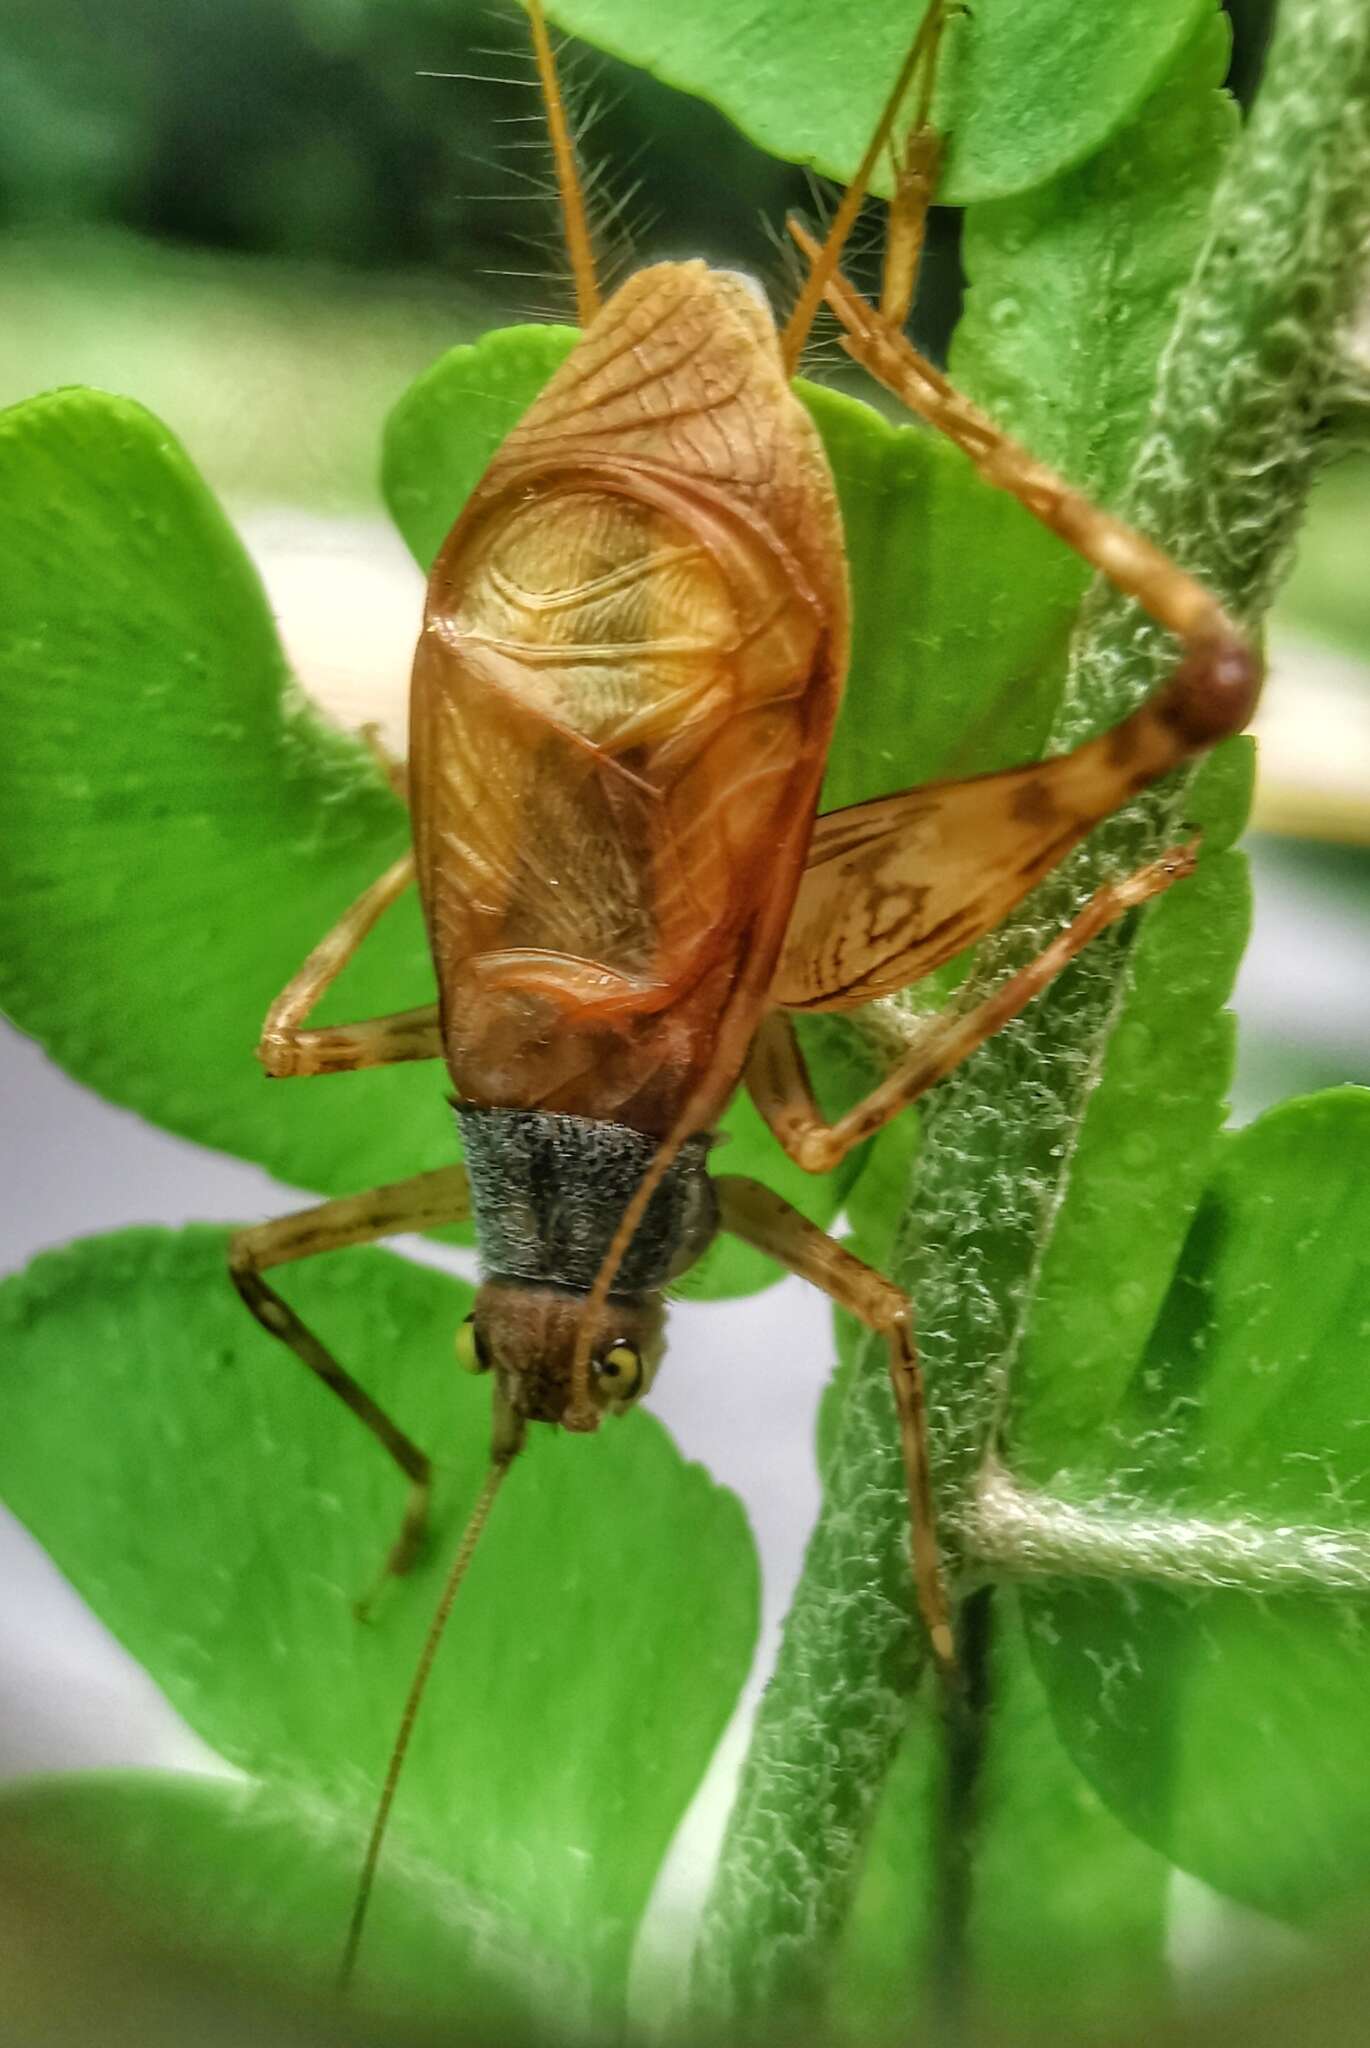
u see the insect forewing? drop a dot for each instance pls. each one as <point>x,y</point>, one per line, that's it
<point>631,661</point>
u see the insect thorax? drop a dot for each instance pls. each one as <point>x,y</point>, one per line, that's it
<point>547,1193</point>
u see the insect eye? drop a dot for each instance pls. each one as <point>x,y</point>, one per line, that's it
<point>473,1353</point>
<point>620,1369</point>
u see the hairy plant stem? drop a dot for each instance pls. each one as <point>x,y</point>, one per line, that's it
<point>949,1962</point>
<point>1021,1532</point>
<point>1230,450</point>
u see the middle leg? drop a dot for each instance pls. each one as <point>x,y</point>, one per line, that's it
<point>751,1212</point>
<point>288,1051</point>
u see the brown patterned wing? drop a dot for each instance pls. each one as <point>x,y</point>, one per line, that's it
<point>895,887</point>
<point>621,704</point>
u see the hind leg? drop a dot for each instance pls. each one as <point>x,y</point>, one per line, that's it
<point>778,1083</point>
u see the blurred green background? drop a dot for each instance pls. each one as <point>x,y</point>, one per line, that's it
<point>264,216</point>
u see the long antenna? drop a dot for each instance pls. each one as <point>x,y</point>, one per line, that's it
<point>466,1549</point>
<point>578,245</point>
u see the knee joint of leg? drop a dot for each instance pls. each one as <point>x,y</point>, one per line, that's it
<point>279,1055</point>
<point>242,1260</point>
<point>1212,694</point>
<point>815,1151</point>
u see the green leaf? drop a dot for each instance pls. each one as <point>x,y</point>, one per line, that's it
<point>1069,302</point>
<point>1027,90</point>
<point>440,436</point>
<point>1069,1911</point>
<point>264,1876</point>
<point>950,622</point>
<point>220,1511</point>
<point>1227,1726</point>
<point>176,830</point>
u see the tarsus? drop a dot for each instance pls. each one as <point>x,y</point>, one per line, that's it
<point>825,263</point>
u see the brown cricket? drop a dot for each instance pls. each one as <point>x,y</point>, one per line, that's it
<point>632,654</point>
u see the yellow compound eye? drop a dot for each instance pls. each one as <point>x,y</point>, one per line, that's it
<point>620,1369</point>
<point>472,1355</point>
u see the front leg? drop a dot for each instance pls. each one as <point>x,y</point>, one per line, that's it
<point>751,1212</point>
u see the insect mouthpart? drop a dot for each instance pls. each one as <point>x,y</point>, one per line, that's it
<point>525,1333</point>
